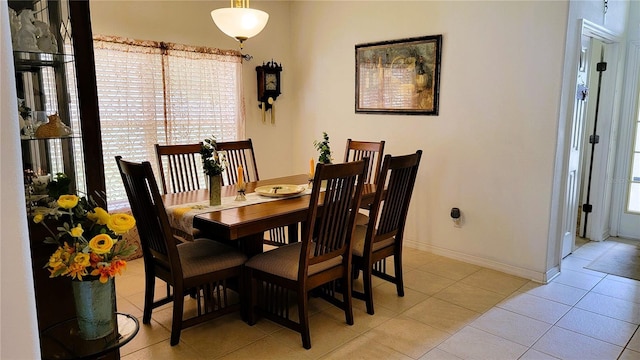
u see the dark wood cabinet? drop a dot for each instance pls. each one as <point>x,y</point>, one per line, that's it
<point>59,79</point>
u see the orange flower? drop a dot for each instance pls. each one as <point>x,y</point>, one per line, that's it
<point>77,271</point>
<point>118,266</point>
<point>105,272</point>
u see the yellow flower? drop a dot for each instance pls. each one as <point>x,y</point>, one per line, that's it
<point>38,218</point>
<point>76,231</point>
<point>67,201</point>
<point>55,260</point>
<point>101,244</point>
<point>99,215</point>
<point>121,223</point>
<point>82,259</point>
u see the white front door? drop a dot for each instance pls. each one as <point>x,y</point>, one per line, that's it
<point>569,221</point>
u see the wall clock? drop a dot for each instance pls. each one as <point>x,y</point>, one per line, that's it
<point>268,87</point>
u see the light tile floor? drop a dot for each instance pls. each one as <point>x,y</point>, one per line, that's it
<point>451,310</point>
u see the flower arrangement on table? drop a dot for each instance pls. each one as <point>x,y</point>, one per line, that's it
<point>213,164</point>
<point>88,238</point>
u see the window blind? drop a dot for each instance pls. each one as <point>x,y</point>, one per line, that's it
<point>151,92</point>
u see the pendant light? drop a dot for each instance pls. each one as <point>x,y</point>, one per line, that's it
<point>239,21</point>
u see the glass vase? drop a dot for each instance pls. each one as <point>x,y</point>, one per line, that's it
<point>215,183</point>
<point>95,308</point>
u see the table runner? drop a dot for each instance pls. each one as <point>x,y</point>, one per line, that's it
<point>181,216</point>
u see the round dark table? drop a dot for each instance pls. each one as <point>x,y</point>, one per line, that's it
<point>63,341</point>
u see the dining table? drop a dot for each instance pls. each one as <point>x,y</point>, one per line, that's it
<point>247,223</point>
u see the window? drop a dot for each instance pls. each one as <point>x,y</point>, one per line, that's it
<point>152,92</point>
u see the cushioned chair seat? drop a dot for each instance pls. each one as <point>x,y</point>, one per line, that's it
<point>362,219</point>
<point>204,256</point>
<point>285,260</point>
<point>358,241</point>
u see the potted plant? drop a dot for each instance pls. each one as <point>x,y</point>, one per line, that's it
<point>90,251</point>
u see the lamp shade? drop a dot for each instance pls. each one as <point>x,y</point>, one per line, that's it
<point>240,23</point>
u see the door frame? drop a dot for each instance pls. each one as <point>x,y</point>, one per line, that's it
<point>598,226</point>
<point>560,189</point>
<point>628,116</point>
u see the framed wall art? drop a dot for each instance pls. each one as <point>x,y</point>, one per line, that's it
<point>399,76</point>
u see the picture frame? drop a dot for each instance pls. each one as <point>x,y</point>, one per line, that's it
<point>398,76</point>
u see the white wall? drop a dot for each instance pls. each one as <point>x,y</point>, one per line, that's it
<point>18,325</point>
<point>490,152</point>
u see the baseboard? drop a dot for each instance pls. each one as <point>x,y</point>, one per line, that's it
<point>536,276</point>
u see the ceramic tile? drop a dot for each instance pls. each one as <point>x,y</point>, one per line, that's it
<point>629,354</point>
<point>532,354</point>
<point>472,343</point>
<point>470,297</point>
<point>220,336</point>
<point>363,348</point>
<point>495,281</point>
<point>557,292</point>
<point>125,306</point>
<point>386,296</point>
<point>535,307</point>
<point>362,321</point>
<point>634,343</point>
<point>578,264</point>
<point>566,344</point>
<point>267,348</point>
<point>449,268</point>
<point>598,326</point>
<point>327,335</point>
<point>163,350</point>
<point>407,336</point>
<point>511,326</point>
<point>610,306</point>
<point>629,291</point>
<point>425,282</point>
<point>592,250</point>
<point>577,279</point>
<point>442,315</point>
<point>437,354</point>
<point>148,334</point>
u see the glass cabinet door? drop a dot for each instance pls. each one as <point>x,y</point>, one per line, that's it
<point>51,134</point>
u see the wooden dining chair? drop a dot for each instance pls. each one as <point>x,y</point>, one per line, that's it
<point>180,167</point>
<point>201,267</point>
<point>374,151</point>
<point>322,255</point>
<point>240,153</point>
<point>382,238</point>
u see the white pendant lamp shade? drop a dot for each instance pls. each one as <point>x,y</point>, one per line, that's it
<point>240,23</point>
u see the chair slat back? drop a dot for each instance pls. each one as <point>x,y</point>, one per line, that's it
<point>158,244</point>
<point>374,151</point>
<point>332,212</point>
<point>389,209</point>
<point>238,153</point>
<point>180,167</point>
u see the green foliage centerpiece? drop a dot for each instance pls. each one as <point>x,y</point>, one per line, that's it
<point>325,150</point>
